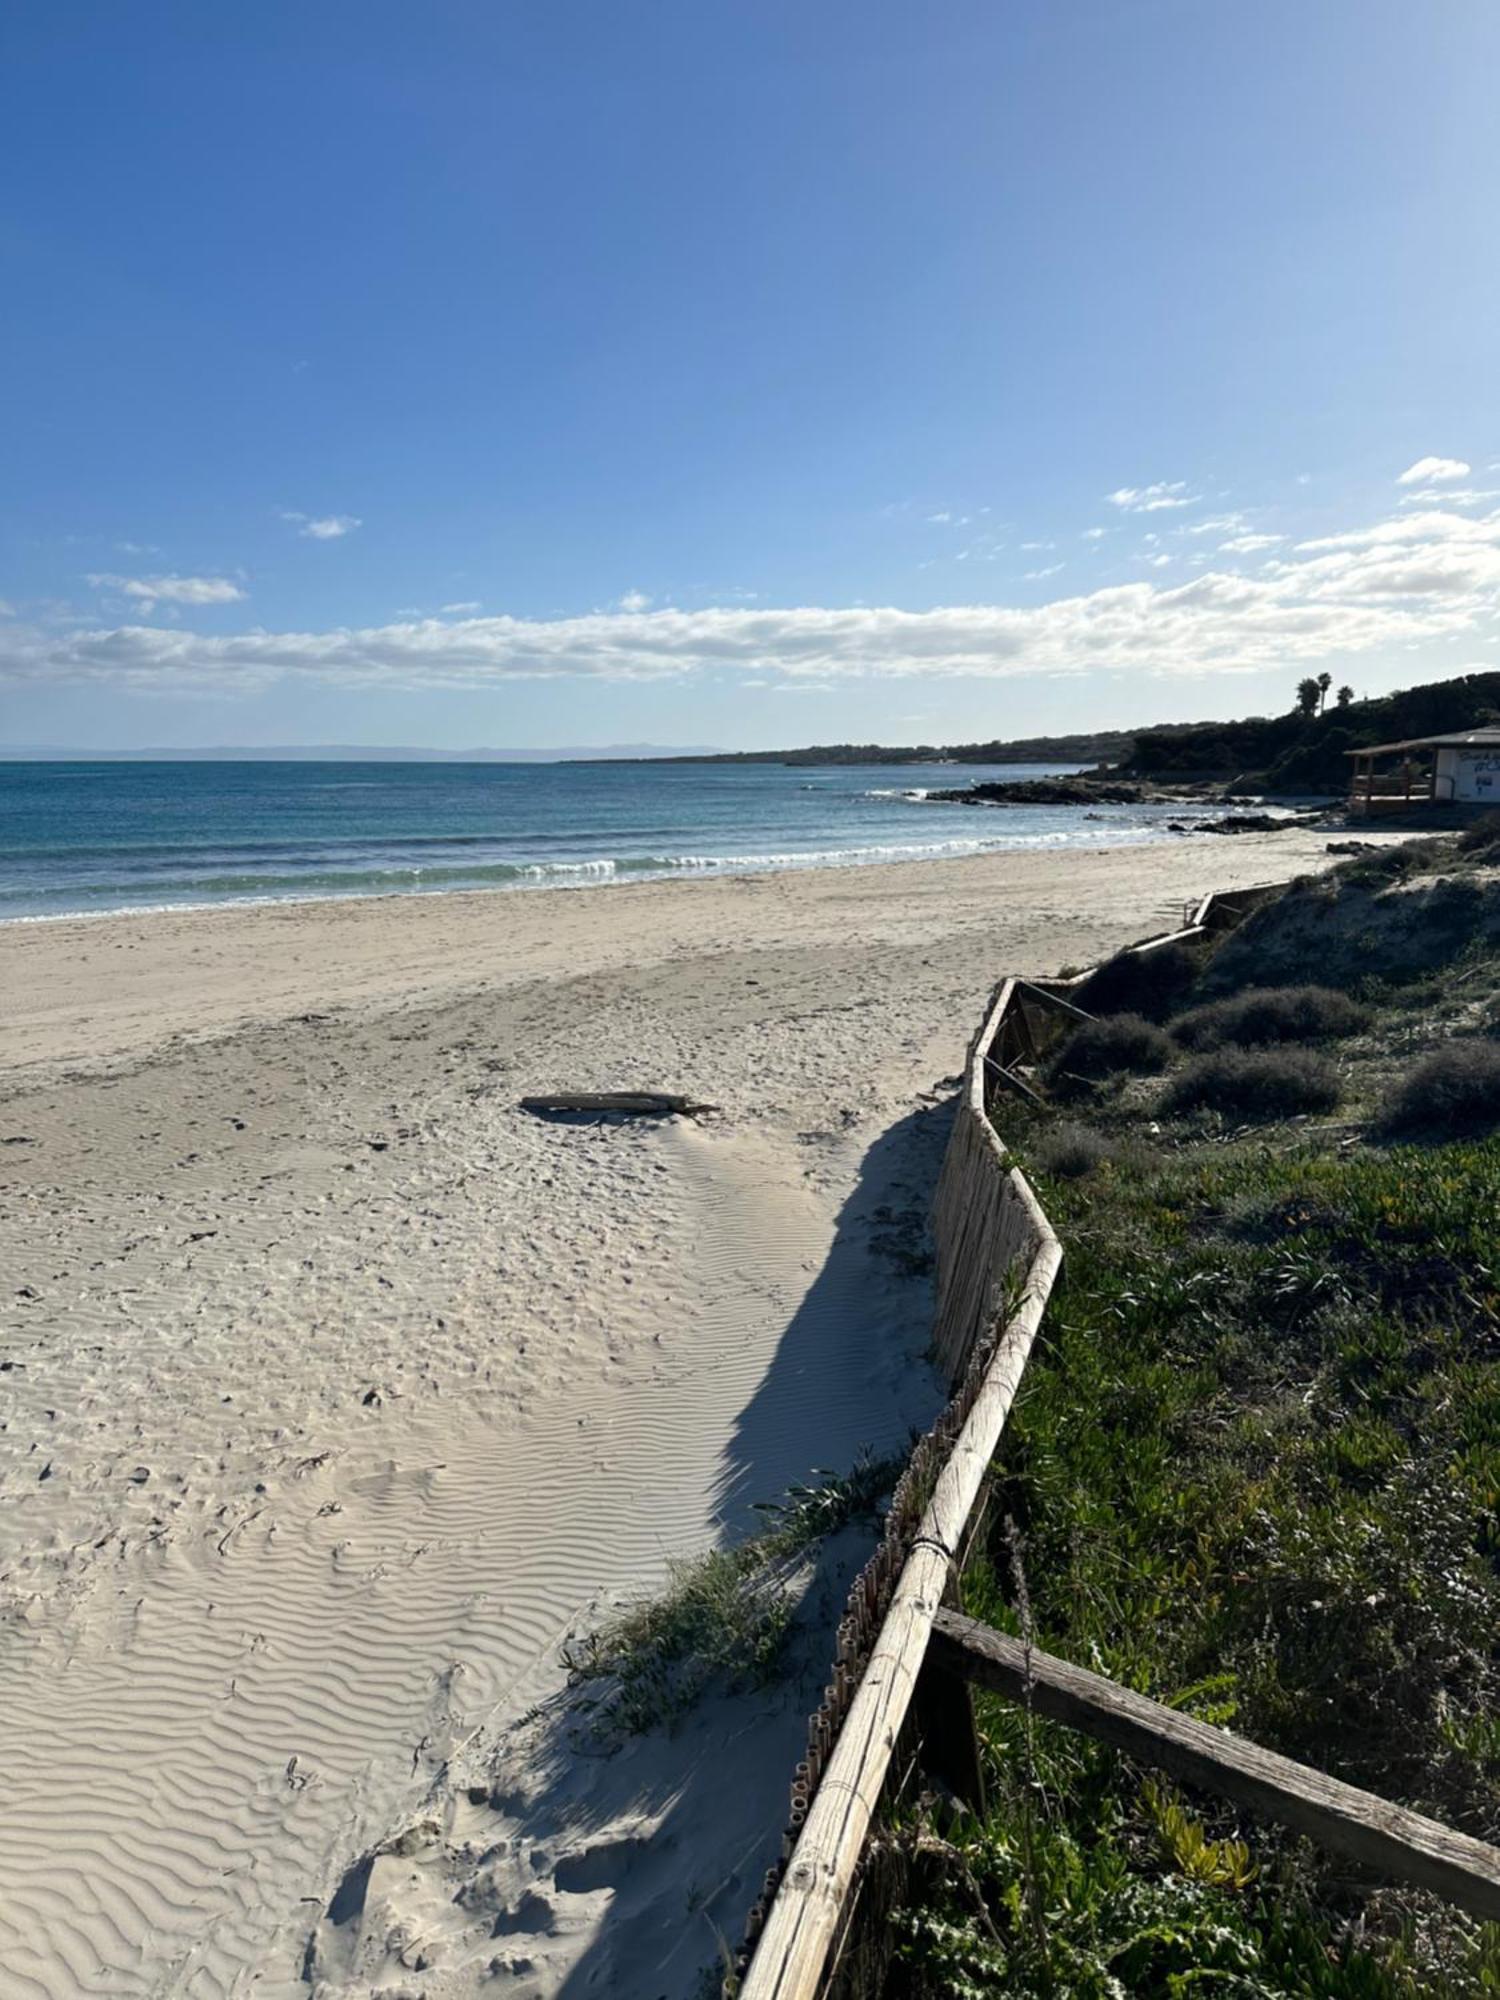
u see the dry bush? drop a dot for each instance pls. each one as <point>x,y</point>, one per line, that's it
<point>1396,861</point>
<point>1071,1152</point>
<point>1270,1014</point>
<point>1255,1083</point>
<point>1453,1094</point>
<point>1115,1046</point>
<point>1150,983</point>
<point>1481,841</point>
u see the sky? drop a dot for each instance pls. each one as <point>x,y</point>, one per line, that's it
<point>520,372</point>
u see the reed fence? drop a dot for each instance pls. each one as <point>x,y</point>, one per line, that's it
<point>818,1927</point>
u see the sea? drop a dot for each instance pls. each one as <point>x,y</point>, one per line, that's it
<point>85,838</point>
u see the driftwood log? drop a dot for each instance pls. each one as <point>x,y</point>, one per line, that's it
<point>625,1103</point>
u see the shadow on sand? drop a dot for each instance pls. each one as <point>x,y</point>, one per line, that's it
<point>654,1848</point>
<point>848,1372</point>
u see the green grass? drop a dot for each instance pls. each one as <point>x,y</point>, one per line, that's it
<point>725,1617</point>
<point>1254,1470</point>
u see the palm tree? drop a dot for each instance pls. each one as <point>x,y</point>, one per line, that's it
<point>1307,696</point>
<point>1345,695</point>
<point>1325,682</point>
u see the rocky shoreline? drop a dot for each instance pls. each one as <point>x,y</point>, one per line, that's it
<point>1058,792</point>
<point>1085,792</point>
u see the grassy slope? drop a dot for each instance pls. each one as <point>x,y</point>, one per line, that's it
<point>1254,1471</point>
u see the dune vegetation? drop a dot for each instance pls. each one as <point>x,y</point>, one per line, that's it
<point>1255,1464</point>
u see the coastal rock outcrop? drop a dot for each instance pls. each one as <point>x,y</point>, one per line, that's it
<point>1058,792</point>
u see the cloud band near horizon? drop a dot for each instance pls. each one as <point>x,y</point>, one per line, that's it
<point>1394,585</point>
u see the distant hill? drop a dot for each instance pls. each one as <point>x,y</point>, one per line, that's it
<point>1309,753</point>
<point>338,753</point>
<point>1291,752</point>
<point>1094,747</point>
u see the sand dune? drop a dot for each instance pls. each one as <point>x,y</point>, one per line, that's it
<point>337,1390</point>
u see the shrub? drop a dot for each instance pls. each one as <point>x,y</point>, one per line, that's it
<point>1454,1092</point>
<point>1109,1047</point>
<point>1151,983</point>
<point>1071,1151</point>
<point>1255,1084</point>
<point>1482,839</point>
<point>1271,1014</point>
<point>1394,862</point>
<point>1455,903</point>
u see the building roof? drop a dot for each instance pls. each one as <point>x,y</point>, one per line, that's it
<point>1467,738</point>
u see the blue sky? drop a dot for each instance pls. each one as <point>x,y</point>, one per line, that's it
<point>748,374</point>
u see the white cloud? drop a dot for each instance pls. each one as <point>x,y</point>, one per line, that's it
<point>324,527</point>
<point>634,601</point>
<point>1215,524</point>
<point>462,610</point>
<point>1157,562</point>
<point>940,517</point>
<point>1438,566</point>
<point>1406,529</point>
<point>1037,575</point>
<point>1152,499</point>
<point>1033,548</point>
<point>1449,496</point>
<point>147,591</point>
<point>1094,534</point>
<point>1427,470</point>
<point>1249,545</point>
<point>1421,577</point>
<point>986,549</point>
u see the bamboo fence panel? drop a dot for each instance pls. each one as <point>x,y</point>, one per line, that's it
<point>994,1249</point>
<point>804,1920</point>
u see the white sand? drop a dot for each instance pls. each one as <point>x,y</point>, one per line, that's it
<point>336,1390</point>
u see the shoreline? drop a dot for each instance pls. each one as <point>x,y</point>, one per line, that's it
<point>604,871</point>
<point>109,984</point>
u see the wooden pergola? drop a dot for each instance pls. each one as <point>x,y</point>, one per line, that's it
<point>1415,781</point>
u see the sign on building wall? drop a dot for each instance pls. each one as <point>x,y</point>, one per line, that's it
<point>1477,775</point>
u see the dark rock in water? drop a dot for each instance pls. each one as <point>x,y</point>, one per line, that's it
<point>1054,792</point>
<point>1242,823</point>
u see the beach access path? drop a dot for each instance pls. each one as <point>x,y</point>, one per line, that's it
<point>337,1390</point>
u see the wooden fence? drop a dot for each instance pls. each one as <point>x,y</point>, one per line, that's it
<point>997,1258</point>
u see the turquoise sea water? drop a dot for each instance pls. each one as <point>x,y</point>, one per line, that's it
<point>81,837</point>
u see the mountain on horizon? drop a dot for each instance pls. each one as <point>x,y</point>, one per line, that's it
<point>341,753</point>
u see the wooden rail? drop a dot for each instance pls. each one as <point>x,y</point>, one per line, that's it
<point>997,1258</point>
<point>793,1950</point>
<point>1378,1835</point>
<point>979,1229</point>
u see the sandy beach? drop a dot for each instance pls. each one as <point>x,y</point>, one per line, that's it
<point>337,1390</point>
